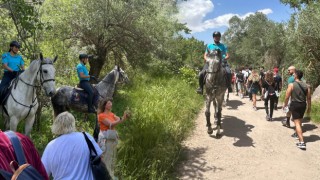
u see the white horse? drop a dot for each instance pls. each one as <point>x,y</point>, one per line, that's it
<point>22,101</point>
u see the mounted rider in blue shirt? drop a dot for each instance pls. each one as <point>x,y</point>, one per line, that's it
<point>225,56</point>
<point>84,78</point>
<point>12,64</point>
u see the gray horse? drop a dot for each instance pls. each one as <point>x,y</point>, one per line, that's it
<point>216,87</point>
<point>68,97</point>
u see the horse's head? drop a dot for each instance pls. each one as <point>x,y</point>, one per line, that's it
<point>46,75</point>
<point>121,76</point>
<point>214,59</point>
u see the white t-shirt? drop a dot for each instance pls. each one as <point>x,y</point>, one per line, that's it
<point>67,157</point>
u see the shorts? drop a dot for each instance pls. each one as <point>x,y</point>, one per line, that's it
<point>240,85</point>
<point>254,90</point>
<point>297,109</point>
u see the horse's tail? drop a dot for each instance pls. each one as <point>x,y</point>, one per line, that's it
<point>59,103</point>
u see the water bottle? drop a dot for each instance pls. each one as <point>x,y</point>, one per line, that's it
<point>286,109</point>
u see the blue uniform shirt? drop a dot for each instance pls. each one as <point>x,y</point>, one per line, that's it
<point>222,47</point>
<point>82,68</point>
<point>14,62</point>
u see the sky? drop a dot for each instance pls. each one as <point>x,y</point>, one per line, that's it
<point>203,17</point>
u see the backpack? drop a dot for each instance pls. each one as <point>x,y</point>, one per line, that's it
<point>24,171</point>
<point>240,77</point>
<point>271,90</point>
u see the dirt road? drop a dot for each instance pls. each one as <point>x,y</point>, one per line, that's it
<point>250,148</point>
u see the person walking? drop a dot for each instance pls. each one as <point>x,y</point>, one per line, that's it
<point>7,154</point>
<point>300,95</point>
<point>108,121</point>
<point>68,155</point>
<point>269,94</point>
<point>291,71</point>
<point>240,83</point>
<point>253,80</point>
<point>278,87</point>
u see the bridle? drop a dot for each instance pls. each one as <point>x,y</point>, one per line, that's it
<point>34,98</point>
<point>42,80</point>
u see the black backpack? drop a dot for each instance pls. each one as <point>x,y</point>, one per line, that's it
<point>25,171</point>
<point>271,90</point>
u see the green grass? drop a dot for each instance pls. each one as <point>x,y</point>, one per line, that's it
<point>315,109</point>
<point>163,110</point>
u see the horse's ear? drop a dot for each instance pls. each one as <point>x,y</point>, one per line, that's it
<point>41,57</point>
<point>55,59</point>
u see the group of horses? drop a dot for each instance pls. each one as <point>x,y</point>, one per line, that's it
<point>22,103</point>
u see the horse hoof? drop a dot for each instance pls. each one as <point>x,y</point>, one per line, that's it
<point>210,130</point>
<point>218,136</point>
<point>215,122</point>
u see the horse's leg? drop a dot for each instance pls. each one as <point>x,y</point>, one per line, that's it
<point>28,124</point>
<point>7,122</point>
<point>214,102</point>
<point>13,123</point>
<point>207,113</point>
<point>219,114</point>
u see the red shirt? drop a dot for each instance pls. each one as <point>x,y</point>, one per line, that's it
<point>7,154</point>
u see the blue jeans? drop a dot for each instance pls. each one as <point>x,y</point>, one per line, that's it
<point>6,79</point>
<point>85,85</point>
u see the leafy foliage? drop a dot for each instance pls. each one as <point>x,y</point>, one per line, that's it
<point>162,109</point>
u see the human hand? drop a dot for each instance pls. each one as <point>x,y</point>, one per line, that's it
<point>127,113</point>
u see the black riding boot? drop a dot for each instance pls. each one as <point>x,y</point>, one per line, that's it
<point>229,82</point>
<point>201,80</point>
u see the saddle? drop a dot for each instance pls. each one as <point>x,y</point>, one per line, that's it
<point>79,96</point>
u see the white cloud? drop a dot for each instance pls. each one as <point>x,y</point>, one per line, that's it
<point>193,13</point>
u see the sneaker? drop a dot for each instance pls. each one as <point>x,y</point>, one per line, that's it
<point>267,117</point>
<point>294,135</point>
<point>301,145</point>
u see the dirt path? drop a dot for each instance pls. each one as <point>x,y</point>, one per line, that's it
<point>250,148</point>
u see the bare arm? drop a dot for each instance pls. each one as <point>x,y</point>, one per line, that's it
<point>205,57</point>
<point>119,120</point>
<point>288,94</point>
<point>227,56</point>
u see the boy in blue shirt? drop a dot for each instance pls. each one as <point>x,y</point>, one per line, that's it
<point>84,78</point>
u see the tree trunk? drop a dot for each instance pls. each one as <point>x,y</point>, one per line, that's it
<point>97,64</point>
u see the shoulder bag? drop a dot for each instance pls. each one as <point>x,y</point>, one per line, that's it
<point>99,170</point>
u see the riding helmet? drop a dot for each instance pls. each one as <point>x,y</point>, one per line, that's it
<point>216,34</point>
<point>15,43</point>
<point>83,56</point>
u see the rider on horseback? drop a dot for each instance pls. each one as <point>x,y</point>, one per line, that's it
<point>12,64</point>
<point>225,56</point>
<point>84,78</point>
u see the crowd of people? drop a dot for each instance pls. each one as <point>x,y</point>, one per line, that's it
<point>268,84</point>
